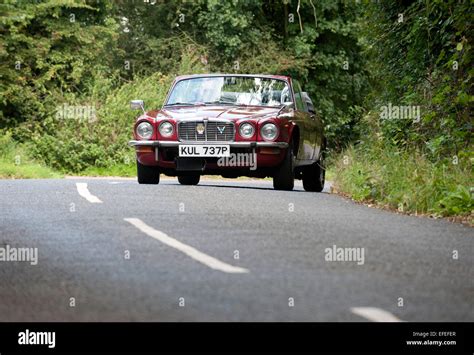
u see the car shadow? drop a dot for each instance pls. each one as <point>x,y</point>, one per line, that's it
<point>250,188</point>
<point>244,187</point>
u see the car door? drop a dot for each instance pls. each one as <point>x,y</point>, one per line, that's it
<point>317,136</point>
<point>306,122</point>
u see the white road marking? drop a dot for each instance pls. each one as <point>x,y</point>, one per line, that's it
<point>205,259</point>
<point>84,192</point>
<point>375,314</point>
<point>115,182</point>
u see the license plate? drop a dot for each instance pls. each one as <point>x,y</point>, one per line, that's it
<point>208,150</point>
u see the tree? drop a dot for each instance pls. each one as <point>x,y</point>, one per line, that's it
<point>50,50</point>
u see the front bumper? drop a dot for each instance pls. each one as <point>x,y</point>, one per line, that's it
<point>165,154</point>
<point>170,144</point>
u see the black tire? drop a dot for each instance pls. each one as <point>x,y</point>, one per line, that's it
<point>148,174</point>
<point>284,178</point>
<point>314,176</point>
<point>189,179</point>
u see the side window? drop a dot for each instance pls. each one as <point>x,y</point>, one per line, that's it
<point>300,104</point>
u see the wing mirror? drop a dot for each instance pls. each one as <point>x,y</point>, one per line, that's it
<point>137,105</point>
<point>308,101</point>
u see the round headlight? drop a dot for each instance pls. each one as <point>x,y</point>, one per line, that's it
<point>269,131</point>
<point>246,130</point>
<point>145,130</point>
<point>166,129</point>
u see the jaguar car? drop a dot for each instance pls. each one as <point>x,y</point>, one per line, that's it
<point>232,125</point>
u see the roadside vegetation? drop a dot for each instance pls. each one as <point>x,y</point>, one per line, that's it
<point>392,81</point>
<point>17,163</point>
<point>404,179</point>
<point>414,151</point>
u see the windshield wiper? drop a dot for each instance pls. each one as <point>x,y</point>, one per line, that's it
<point>186,104</point>
<point>220,103</point>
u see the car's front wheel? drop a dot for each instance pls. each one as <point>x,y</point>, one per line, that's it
<point>284,178</point>
<point>148,174</point>
<point>314,176</point>
<point>189,179</point>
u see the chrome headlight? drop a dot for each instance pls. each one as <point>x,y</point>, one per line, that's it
<point>166,129</point>
<point>246,130</point>
<point>144,130</point>
<point>269,131</point>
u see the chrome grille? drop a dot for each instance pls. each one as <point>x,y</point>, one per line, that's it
<point>215,131</point>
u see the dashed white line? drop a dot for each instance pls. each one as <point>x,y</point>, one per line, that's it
<point>375,314</point>
<point>190,251</point>
<point>84,192</point>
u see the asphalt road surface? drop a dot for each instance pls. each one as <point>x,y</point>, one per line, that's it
<point>225,250</point>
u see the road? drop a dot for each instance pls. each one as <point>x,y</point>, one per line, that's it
<point>225,250</point>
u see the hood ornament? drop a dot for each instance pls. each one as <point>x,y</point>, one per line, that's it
<point>200,128</point>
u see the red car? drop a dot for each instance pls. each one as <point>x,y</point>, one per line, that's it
<point>232,125</point>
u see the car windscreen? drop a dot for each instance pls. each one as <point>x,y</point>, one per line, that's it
<point>253,91</point>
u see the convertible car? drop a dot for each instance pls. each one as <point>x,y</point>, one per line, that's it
<point>232,125</point>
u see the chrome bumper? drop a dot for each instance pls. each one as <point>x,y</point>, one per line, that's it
<point>167,144</point>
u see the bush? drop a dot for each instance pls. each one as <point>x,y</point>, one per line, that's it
<point>405,180</point>
<point>15,162</point>
<point>73,144</point>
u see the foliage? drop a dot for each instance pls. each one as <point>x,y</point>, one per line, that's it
<point>404,180</point>
<point>422,56</point>
<point>100,142</point>
<point>16,163</point>
<point>378,171</point>
<point>50,51</point>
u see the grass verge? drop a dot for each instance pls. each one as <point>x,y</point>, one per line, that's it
<point>121,170</point>
<point>16,163</point>
<point>406,181</point>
